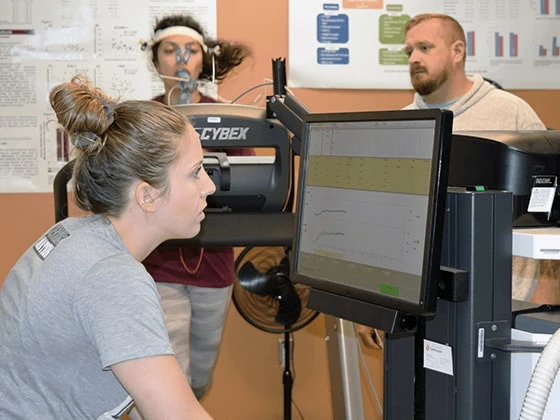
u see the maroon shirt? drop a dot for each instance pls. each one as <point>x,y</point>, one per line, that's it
<point>208,267</point>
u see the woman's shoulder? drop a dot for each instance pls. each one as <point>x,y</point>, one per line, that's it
<point>206,99</point>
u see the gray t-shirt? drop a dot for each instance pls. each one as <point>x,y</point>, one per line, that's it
<point>74,304</point>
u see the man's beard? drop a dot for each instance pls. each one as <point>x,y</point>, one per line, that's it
<point>424,84</point>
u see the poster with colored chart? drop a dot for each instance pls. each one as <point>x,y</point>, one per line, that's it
<point>358,44</point>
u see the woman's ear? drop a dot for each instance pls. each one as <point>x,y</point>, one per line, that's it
<point>146,197</point>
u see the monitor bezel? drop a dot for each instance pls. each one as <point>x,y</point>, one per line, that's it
<point>426,304</point>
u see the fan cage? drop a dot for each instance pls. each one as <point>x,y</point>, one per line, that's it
<point>258,310</point>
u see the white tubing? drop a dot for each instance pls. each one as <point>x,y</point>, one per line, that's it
<point>542,380</point>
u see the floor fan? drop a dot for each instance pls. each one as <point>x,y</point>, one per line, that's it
<point>266,298</point>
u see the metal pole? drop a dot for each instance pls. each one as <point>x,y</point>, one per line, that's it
<point>344,367</point>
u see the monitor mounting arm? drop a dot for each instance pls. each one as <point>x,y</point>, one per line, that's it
<point>284,106</point>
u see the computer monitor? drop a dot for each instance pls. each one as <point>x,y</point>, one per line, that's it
<point>370,206</point>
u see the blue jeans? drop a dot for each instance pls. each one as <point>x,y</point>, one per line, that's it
<point>194,319</point>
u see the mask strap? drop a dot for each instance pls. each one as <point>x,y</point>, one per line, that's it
<point>215,51</point>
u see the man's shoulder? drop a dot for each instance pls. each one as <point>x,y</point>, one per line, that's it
<point>505,96</point>
<point>498,109</point>
<point>504,100</point>
<point>508,100</point>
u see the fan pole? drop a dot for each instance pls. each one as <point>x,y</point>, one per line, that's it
<point>287,378</point>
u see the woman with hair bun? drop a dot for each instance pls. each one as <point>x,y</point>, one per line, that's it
<point>81,325</point>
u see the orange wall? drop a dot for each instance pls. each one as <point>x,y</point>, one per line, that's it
<point>248,382</point>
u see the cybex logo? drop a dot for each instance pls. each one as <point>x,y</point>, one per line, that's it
<point>223,133</point>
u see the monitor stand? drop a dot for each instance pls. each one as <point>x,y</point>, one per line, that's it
<point>473,314</point>
<point>382,318</point>
<point>477,240</point>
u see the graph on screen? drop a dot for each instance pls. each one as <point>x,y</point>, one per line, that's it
<point>365,203</point>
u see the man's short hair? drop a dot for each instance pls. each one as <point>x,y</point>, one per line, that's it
<point>456,30</point>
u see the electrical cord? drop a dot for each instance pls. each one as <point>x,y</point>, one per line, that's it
<point>245,92</point>
<point>293,371</point>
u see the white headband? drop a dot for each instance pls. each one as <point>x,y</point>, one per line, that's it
<point>179,30</point>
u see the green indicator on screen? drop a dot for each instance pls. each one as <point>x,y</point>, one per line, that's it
<point>388,289</point>
<point>476,188</point>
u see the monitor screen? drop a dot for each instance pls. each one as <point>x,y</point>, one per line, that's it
<point>370,207</point>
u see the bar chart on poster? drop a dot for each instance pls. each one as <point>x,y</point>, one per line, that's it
<point>506,40</point>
